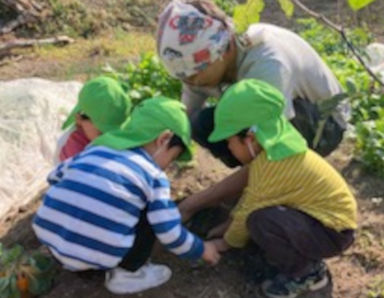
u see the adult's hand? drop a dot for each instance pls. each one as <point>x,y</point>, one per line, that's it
<point>219,230</point>
<point>229,189</point>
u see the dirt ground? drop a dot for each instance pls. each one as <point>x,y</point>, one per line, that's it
<point>356,274</point>
<point>353,274</point>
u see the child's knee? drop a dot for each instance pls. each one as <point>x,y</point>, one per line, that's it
<point>262,221</point>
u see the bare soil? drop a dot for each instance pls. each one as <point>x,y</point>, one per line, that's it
<point>237,274</point>
<point>355,274</point>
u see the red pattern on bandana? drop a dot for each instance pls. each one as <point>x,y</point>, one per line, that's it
<point>189,26</point>
<point>202,56</point>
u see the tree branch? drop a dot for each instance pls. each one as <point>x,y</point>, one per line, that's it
<point>28,11</point>
<point>5,48</point>
<point>24,6</point>
<point>341,31</point>
<point>11,25</point>
<point>10,60</point>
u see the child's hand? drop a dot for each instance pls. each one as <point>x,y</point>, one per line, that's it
<point>221,244</point>
<point>211,255</point>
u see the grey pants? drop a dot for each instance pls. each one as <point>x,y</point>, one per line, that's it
<point>293,241</point>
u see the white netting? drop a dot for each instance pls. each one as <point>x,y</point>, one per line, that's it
<point>31,113</point>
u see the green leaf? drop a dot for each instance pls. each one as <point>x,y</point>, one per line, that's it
<point>319,132</point>
<point>288,7</point>
<point>14,293</point>
<point>40,286</point>
<point>41,263</point>
<point>247,14</point>
<point>227,5</point>
<point>326,107</point>
<point>4,283</point>
<point>6,292</point>
<point>351,86</point>
<point>11,255</point>
<point>359,4</point>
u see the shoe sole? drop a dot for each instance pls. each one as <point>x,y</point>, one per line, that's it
<point>321,284</point>
<point>315,287</point>
<point>127,291</point>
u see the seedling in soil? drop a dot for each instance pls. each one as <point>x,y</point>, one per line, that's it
<point>24,274</point>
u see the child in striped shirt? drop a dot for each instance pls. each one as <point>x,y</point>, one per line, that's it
<point>102,105</point>
<point>106,205</point>
<point>295,206</point>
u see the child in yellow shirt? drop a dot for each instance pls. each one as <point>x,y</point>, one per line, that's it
<point>296,207</point>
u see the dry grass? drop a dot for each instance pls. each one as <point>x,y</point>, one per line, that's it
<point>80,60</point>
<point>116,44</point>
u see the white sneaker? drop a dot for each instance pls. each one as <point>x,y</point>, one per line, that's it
<point>121,281</point>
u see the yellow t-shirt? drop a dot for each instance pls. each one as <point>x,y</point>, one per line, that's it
<point>306,182</point>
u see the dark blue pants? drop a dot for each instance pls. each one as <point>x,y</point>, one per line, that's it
<point>141,250</point>
<point>294,241</point>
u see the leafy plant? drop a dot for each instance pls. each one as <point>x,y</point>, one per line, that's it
<point>370,143</point>
<point>147,78</point>
<point>23,274</point>
<point>227,5</point>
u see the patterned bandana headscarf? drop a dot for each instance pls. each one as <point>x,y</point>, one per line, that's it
<point>188,40</point>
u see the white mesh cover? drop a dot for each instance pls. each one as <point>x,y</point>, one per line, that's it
<point>31,113</point>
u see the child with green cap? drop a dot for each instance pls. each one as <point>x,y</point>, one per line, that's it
<point>106,205</point>
<point>102,106</point>
<point>295,207</point>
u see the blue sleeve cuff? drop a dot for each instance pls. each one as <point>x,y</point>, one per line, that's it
<point>196,250</point>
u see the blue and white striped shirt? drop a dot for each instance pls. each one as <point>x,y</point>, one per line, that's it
<point>89,214</point>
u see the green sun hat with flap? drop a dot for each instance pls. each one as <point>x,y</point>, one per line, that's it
<point>104,101</point>
<point>148,120</point>
<point>257,105</point>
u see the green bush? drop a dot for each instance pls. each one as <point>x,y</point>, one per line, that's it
<point>370,143</point>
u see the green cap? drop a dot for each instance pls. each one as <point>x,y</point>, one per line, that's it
<point>257,105</point>
<point>149,119</point>
<point>104,101</point>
